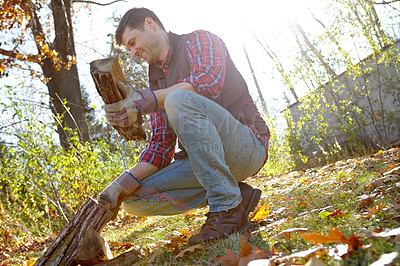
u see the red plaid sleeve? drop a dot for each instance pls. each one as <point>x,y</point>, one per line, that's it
<point>207,58</point>
<point>162,143</point>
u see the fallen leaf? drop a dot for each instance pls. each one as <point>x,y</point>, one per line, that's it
<point>396,206</point>
<point>334,236</point>
<point>337,213</point>
<point>324,214</point>
<point>321,253</point>
<point>175,243</point>
<point>375,209</point>
<point>247,254</point>
<point>188,250</point>
<point>262,213</point>
<point>387,169</point>
<point>393,171</point>
<point>364,202</point>
<point>245,249</point>
<point>303,203</point>
<point>126,246</point>
<point>229,259</point>
<point>31,262</point>
<point>256,254</point>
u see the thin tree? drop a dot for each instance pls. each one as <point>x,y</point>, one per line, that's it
<point>264,106</point>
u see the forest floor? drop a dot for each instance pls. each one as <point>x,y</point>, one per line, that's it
<point>344,213</point>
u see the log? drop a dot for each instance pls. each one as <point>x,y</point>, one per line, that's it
<point>105,73</point>
<point>93,249</point>
<point>72,245</point>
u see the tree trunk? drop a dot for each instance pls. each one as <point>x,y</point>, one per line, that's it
<point>63,84</point>
<point>317,53</point>
<point>263,104</point>
<point>80,241</point>
<point>279,67</point>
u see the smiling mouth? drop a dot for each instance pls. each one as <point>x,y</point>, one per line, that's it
<point>142,55</point>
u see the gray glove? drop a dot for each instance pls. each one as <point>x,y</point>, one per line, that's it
<point>113,195</point>
<point>124,113</point>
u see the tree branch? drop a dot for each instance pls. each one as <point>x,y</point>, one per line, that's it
<point>22,57</point>
<point>386,2</point>
<point>96,3</point>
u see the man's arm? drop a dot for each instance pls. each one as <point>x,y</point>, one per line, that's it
<point>162,94</point>
<point>142,170</point>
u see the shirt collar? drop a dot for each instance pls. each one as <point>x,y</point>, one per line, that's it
<point>164,64</point>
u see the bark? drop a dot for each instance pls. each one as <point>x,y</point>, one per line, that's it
<point>63,84</point>
<point>80,241</point>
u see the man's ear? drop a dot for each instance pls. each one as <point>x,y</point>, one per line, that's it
<point>149,22</point>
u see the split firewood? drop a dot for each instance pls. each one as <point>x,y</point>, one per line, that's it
<point>105,73</point>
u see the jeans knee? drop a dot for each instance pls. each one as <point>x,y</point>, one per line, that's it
<point>176,98</point>
<point>175,102</point>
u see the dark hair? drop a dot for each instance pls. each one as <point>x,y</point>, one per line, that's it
<point>134,19</point>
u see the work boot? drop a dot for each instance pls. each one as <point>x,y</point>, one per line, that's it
<point>222,224</point>
<point>250,197</point>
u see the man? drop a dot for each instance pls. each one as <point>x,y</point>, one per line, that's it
<point>197,96</point>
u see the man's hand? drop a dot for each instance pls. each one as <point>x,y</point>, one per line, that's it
<point>113,195</point>
<point>124,113</point>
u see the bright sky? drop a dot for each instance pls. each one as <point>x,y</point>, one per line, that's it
<point>230,20</point>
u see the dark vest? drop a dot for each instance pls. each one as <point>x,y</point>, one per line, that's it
<point>234,96</point>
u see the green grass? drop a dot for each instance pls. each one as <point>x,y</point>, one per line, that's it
<point>301,199</point>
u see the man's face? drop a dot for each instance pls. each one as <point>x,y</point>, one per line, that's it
<point>143,44</point>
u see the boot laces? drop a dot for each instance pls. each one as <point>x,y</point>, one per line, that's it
<point>212,218</point>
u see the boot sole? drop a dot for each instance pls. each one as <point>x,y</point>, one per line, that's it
<point>246,228</point>
<point>253,202</point>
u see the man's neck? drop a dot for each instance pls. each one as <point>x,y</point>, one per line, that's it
<point>165,46</point>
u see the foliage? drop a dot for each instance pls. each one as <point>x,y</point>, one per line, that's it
<point>344,213</point>
<point>17,18</point>
<point>43,185</point>
<point>280,155</point>
<point>341,114</point>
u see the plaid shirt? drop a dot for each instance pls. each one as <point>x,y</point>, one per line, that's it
<point>206,54</point>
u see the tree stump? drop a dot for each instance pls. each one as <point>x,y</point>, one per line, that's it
<point>80,241</point>
<point>105,73</point>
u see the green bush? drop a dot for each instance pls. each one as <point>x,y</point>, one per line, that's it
<point>42,185</point>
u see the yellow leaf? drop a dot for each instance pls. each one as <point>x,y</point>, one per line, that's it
<point>31,261</point>
<point>262,213</point>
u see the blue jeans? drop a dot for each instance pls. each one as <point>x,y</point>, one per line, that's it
<point>221,152</point>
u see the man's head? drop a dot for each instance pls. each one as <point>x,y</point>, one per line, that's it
<point>135,19</point>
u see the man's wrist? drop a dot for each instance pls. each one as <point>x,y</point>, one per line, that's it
<point>149,102</point>
<point>128,182</point>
